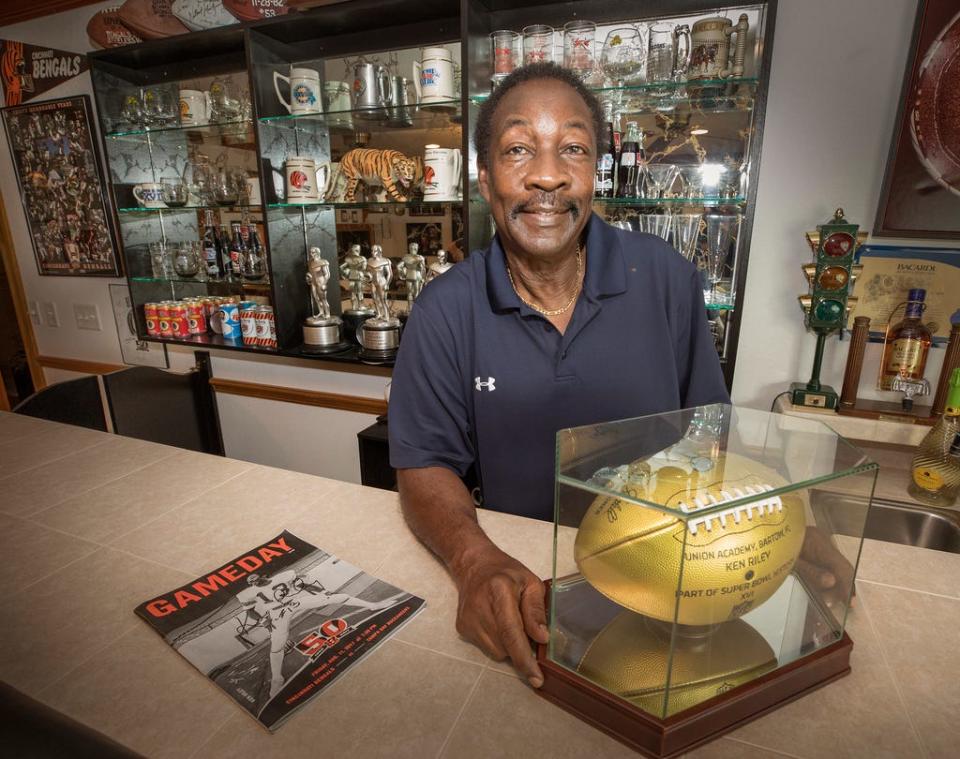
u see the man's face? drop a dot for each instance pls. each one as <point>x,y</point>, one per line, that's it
<point>541,165</point>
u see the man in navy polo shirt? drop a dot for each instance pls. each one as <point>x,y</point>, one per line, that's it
<point>562,321</point>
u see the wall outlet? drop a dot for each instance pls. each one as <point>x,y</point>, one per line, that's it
<point>49,310</point>
<point>33,308</point>
<point>87,316</point>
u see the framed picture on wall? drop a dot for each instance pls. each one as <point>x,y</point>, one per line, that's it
<point>61,186</point>
<point>428,236</point>
<point>921,186</point>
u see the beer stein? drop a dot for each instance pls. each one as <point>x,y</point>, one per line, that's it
<point>304,86</point>
<point>668,50</point>
<point>336,99</point>
<point>399,112</point>
<point>710,48</point>
<point>371,90</point>
<point>433,76</point>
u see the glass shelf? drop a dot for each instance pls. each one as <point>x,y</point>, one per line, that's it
<point>706,200</point>
<point>421,116</point>
<point>373,204</point>
<point>707,95</point>
<point>260,283</point>
<point>220,128</point>
<point>240,206</point>
<point>719,306</point>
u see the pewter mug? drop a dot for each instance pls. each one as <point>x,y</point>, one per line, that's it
<point>371,89</point>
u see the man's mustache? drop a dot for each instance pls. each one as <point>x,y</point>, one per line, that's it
<point>549,201</point>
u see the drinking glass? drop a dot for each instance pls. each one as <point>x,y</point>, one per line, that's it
<point>686,230</point>
<point>160,106</point>
<point>623,57</point>
<point>721,231</point>
<point>175,192</point>
<point>655,224</point>
<point>579,38</point>
<point>505,44</point>
<point>666,60</point>
<point>226,102</point>
<point>691,177</point>
<point>131,109</point>
<point>537,44</point>
<point>661,176</point>
<point>161,264</point>
<point>186,261</point>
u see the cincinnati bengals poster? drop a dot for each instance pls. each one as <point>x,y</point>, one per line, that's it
<point>28,71</point>
<point>279,624</point>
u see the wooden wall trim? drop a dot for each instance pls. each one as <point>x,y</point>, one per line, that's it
<point>355,403</point>
<point>15,281</point>
<point>78,365</point>
<point>15,11</point>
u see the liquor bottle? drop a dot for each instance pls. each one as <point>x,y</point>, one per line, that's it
<point>256,267</point>
<point>212,256</point>
<point>630,166</point>
<point>603,181</point>
<point>936,465</point>
<point>908,342</point>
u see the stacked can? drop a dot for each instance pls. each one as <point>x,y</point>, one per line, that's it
<point>196,319</point>
<point>229,313</point>
<point>266,336</point>
<point>248,322</point>
<point>163,319</point>
<point>152,318</point>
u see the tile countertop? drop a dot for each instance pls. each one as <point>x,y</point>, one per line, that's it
<point>83,511</point>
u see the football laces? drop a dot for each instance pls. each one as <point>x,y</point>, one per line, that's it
<point>763,507</point>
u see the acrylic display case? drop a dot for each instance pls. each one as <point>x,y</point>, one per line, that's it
<point>688,593</point>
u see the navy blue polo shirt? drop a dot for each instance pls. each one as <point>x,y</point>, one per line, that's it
<point>483,380</point>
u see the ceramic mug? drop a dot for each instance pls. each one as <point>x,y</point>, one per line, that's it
<point>149,194</point>
<point>433,75</point>
<point>253,191</point>
<point>305,181</point>
<point>194,107</point>
<point>441,173</point>
<point>304,90</point>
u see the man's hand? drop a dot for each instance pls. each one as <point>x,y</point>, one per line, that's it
<point>501,606</point>
<point>825,570</point>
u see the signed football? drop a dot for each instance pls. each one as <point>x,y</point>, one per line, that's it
<point>106,30</point>
<point>731,560</point>
<point>254,10</point>
<point>151,19</point>
<point>631,658</point>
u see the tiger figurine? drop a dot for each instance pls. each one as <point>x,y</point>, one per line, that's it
<point>388,168</point>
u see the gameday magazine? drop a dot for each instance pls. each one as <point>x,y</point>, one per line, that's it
<point>279,624</point>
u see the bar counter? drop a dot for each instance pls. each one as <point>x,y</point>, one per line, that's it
<point>92,524</point>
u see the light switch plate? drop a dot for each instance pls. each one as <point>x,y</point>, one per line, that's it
<point>49,310</point>
<point>87,316</point>
<point>34,310</point>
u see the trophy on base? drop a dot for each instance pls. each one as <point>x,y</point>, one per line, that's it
<point>412,269</point>
<point>353,270</point>
<point>321,330</point>
<point>380,334</point>
<point>441,266</point>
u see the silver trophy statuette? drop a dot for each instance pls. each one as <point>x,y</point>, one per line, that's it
<point>380,334</point>
<point>438,267</point>
<point>321,330</point>
<point>353,270</point>
<point>412,269</point>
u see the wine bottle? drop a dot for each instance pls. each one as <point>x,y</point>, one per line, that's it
<point>935,468</point>
<point>211,248</point>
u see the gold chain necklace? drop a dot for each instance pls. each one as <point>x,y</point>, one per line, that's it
<point>554,311</point>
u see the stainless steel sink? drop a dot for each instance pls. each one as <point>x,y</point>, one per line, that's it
<point>893,521</point>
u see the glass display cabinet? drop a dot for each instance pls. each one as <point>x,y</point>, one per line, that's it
<point>683,86</point>
<point>182,158</point>
<point>689,546</point>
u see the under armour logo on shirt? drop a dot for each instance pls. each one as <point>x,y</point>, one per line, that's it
<point>489,384</point>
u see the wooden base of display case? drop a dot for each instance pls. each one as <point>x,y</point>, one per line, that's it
<point>702,723</point>
<point>888,411</point>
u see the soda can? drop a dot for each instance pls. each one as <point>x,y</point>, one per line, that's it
<point>179,325</point>
<point>265,335</point>
<point>229,317</point>
<point>163,319</point>
<point>245,304</point>
<point>152,319</point>
<point>196,318</point>
<point>248,324</point>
